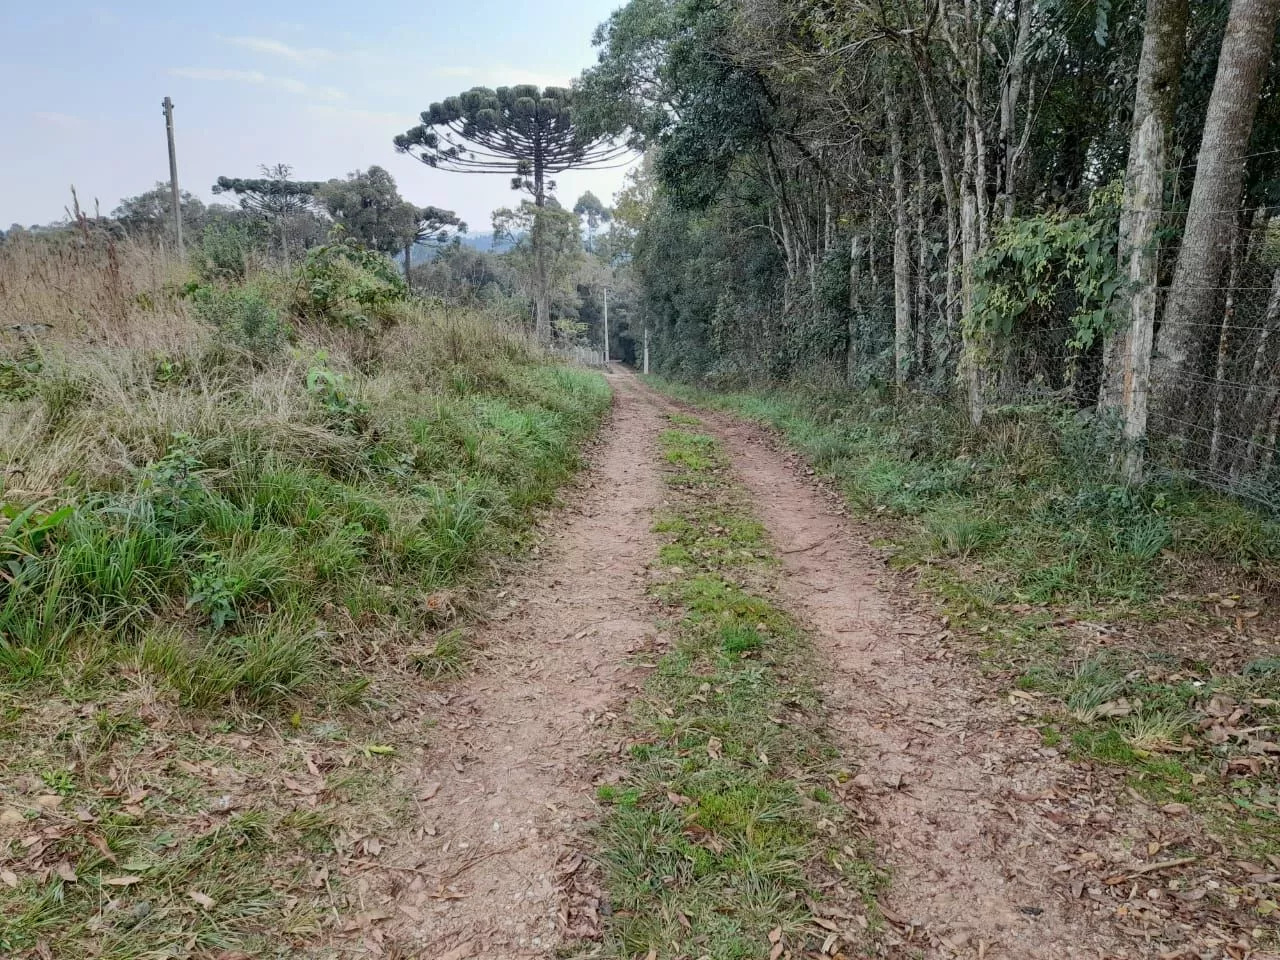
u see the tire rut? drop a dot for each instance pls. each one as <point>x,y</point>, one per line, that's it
<point>506,780</point>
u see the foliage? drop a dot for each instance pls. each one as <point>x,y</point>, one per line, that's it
<point>523,131</point>
<point>242,315</point>
<point>332,390</point>
<point>225,250</point>
<point>369,208</point>
<point>347,285</point>
<point>1032,260</point>
<point>150,214</point>
<point>275,194</point>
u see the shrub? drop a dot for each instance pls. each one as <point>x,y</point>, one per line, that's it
<point>225,249</point>
<point>345,285</point>
<point>240,315</point>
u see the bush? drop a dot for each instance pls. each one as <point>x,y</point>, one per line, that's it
<point>240,315</point>
<point>345,285</point>
<point>225,250</point>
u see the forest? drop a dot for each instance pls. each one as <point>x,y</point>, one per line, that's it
<point>855,537</point>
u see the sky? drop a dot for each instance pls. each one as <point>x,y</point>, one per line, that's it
<point>323,86</point>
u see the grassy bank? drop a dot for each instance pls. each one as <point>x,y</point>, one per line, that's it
<point>1136,627</point>
<point>240,511</point>
<point>724,830</point>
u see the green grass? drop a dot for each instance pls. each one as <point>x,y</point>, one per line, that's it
<point>724,824</point>
<point>224,582</point>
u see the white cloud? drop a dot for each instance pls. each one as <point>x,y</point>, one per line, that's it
<point>51,118</point>
<point>278,48</point>
<point>288,84</point>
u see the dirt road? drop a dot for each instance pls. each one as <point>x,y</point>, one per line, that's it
<point>949,782</point>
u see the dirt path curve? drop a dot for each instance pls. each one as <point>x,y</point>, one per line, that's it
<point>508,777</point>
<point>958,789</point>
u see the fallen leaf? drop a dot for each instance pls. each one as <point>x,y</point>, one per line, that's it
<point>8,878</point>
<point>65,871</point>
<point>203,899</point>
<point>122,881</point>
<point>429,791</point>
<point>714,748</point>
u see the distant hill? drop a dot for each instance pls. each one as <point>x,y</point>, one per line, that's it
<point>484,242</point>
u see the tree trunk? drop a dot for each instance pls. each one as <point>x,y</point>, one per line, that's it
<point>974,351</point>
<point>1215,195</point>
<point>1126,373</point>
<point>901,251</point>
<point>1224,349</point>
<point>408,262</point>
<point>857,251</point>
<point>922,265</point>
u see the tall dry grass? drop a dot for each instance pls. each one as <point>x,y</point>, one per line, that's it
<point>124,365</point>
<point>81,286</point>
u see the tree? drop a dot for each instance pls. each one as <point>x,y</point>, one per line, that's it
<point>1212,214</point>
<point>370,209</point>
<point>274,196</point>
<point>522,132</point>
<point>432,227</point>
<point>150,214</point>
<point>1126,373</point>
<point>590,209</point>
<point>546,247</point>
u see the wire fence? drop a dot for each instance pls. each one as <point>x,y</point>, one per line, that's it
<point>1216,416</point>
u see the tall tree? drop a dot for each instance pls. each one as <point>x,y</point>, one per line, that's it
<point>369,207</point>
<point>432,227</point>
<point>151,214</point>
<point>1212,215</point>
<point>1126,374</point>
<point>522,132</point>
<point>595,213</point>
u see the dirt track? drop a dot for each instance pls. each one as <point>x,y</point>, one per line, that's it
<point>950,786</point>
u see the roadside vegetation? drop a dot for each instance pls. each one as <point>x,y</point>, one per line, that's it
<point>242,504</point>
<point>725,837</point>
<point>1134,626</point>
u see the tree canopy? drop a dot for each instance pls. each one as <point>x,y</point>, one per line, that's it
<point>274,194</point>
<point>523,132</point>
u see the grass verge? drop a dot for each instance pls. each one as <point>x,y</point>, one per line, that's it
<point>723,838</point>
<point>231,550</point>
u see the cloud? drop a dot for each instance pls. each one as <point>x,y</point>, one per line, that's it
<point>287,84</point>
<point>278,48</point>
<point>62,121</point>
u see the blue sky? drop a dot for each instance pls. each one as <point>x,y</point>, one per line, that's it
<point>322,86</point>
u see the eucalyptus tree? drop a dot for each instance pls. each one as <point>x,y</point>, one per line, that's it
<point>595,213</point>
<point>525,133</point>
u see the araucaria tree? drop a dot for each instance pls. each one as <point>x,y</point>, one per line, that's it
<point>275,196</point>
<point>522,132</point>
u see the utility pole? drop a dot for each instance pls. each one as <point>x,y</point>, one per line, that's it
<point>173,176</point>
<point>646,351</point>
<point>606,326</point>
